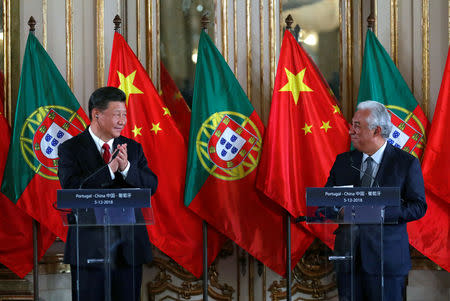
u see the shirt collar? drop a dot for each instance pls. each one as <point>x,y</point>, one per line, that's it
<point>377,156</point>
<point>99,142</point>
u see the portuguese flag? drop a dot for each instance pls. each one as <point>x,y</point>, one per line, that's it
<point>47,114</point>
<point>381,81</point>
<point>224,151</point>
<point>16,235</point>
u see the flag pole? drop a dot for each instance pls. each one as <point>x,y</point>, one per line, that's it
<point>32,24</point>
<point>205,261</point>
<point>204,21</point>
<point>289,20</point>
<point>288,257</point>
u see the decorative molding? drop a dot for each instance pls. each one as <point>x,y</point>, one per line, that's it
<point>138,29</point>
<point>375,12</point>
<point>190,286</point>
<point>225,30</point>
<point>349,52</point>
<point>425,56</point>
<point>249,49</point>
<point>261,57</point>
<point>235,38</point>
<point>69,44</point>
<point>11,56</point>
<point>157,81</point>
<point>272,39</point>
<point>313,276</point>
<point>360,33</point>
<point>44,23</point>
<point>100,12</point>
<point>53,264</point>
<point>148,36</point>
<point>394,31</point>
<point>7,59</point>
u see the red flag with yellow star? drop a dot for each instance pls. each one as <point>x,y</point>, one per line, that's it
<point>177,231</point>
<point>305,132</point>
<point>175,102</point>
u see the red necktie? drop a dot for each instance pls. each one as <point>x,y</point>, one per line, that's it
<point>106,153</point>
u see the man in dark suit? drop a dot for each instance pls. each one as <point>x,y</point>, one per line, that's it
<point>374,162</point>
<point>117,162</point>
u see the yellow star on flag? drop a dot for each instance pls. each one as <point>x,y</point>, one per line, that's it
<point>325,126</point>
<point>166,111</point>
<point>136,131</point>
<point>336,109</point>
<point>156,128</point>
<point>126,84</point>
<point>178,95</point>
<point>295,84</point>
<point>307,128</point>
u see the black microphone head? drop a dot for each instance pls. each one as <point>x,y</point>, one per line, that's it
<point>350,158</point>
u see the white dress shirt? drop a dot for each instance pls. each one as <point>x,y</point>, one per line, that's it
<point>377,156</point>
<point>99,144</point>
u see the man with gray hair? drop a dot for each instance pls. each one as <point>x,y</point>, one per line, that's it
<point>375,162</point>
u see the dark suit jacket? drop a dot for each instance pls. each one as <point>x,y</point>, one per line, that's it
<point>78,159</point>
<point>397,169</point>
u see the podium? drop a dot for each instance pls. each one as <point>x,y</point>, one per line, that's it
<point>357,216</point>
<point>107,231</point>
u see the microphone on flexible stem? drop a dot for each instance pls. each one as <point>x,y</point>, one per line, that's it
<point>300,219</point>
<point>113,156</point>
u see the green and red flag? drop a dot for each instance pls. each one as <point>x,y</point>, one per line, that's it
<point>381,81</point>
<point>224,151</point>
<point>305,132</point>
<point>47,114</point>
<point>16,228</point>
<point>175,102</point>
<point>431,234</point>
<point>177,231</point>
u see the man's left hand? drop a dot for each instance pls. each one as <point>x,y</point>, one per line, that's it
<point>122,157</point>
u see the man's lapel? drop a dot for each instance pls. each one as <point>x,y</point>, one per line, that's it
<point>356,162</point>
<point>90,152</point>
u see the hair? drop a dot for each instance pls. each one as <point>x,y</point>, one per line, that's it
<point>101,97</point>
<point>379,116</point>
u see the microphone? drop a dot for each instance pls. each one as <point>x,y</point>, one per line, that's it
<point>299,219</point>
<point>363,171</point>
<point>113,156</point>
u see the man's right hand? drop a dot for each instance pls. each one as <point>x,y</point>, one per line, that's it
<point>114,165</point>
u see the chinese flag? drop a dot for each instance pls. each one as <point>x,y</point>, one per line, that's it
<point>175,102</point>
<point>305,132</point>
<point>16,228</point>
<point>430,234</point>
<point>177,231</point>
